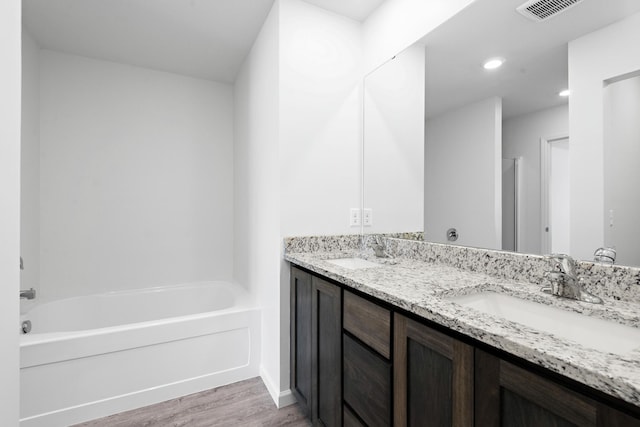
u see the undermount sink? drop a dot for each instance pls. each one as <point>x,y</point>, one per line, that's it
<point>353,263</point>
<point>590,332</point>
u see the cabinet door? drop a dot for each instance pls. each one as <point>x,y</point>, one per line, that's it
<point>507,395</point>
<point>326,350</point>
<point>433,377</point>
<point>300,335</point>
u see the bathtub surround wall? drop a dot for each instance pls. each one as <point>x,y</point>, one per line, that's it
<point>30,164</point>
<point>591,62</point>
<point>521,138</point>
<point>10,80</point>
<point>136,177</point>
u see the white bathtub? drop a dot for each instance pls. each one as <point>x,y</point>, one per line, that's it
<point>96,355</point>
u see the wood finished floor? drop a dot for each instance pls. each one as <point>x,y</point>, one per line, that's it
<point>246,403</point>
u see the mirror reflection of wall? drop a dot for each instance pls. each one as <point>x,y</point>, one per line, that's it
<point>596,59</point>
<point>393,152</point>
<point>463,174</point>
<point>581,48</point>
<point>621,171</point>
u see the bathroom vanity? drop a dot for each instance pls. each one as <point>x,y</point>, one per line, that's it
<point>387,342</point>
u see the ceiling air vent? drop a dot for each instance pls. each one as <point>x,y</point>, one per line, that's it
<point>539,10</point>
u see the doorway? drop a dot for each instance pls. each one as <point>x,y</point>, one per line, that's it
<point>555,194</point>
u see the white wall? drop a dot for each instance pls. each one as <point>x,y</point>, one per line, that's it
<point>521,138</point>
<point>594,58</point>
<point>136,177</point>
<point>394,143</point>
<point>10,81</point>
<point>397,24</point>
<point>621,171</point>
<point>298,115</point>
<point>320,119</point>
<point>320,132</point>
<point>30,164</point>
<point>463,175</point>
<point>257,193</point>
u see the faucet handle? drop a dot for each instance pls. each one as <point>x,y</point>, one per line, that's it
<point>563,263</point>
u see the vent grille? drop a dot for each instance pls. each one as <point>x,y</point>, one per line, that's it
<point>539,10</point>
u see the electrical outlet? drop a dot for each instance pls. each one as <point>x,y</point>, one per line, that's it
<point>354,217</point>
<point>367,217</point>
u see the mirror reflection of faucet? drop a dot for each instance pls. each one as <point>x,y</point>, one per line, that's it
<point>605,255</point>
<point>378,244</point>
<point>564,282</point>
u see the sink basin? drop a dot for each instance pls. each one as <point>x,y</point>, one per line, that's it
<point>353,263</point>
<point>589,331</point>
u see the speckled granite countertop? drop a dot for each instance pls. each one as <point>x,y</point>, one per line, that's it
<point>422,288</point>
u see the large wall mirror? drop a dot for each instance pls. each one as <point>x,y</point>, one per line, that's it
<point>501,158</point>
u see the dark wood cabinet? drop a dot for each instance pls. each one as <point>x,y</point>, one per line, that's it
<point>369,322</point>
<point>326,351</point>
<point>433,377</point>
<point>355,362</point>
<point>367,377</point>
<point>316,347</point>
<point>507,395</point>
<point>300,337</point>
<point>367,383</point>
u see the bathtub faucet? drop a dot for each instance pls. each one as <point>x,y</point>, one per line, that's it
<point>28,294</point>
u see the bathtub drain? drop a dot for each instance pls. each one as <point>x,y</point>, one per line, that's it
<point>26,326</point>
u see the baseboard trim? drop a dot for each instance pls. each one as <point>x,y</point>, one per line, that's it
<point>280,398</point>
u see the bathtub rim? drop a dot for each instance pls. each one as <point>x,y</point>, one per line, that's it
<point>51,347</point>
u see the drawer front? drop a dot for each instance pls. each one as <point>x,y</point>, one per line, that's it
<point>369,322</point>
<point>367,383</point>
<point>350,420</point>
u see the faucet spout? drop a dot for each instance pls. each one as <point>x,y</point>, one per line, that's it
<point>564,281</point>
<point>27,293</point>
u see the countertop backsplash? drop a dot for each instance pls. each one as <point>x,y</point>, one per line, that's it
<point>617,282</point>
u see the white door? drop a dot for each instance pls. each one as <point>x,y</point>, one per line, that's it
<point>510,202</point>
<point>10,68</point>
<point>556,195</point>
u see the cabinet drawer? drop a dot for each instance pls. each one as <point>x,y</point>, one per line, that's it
<point>369,322</point>
<point>350,420</point>
<point>367,383</point>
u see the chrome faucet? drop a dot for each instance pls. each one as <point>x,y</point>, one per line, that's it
<point>564,282</point>
<point>28,293</point>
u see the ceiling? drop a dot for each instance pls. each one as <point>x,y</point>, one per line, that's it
<point>535,54</point>
<point>201,38</point>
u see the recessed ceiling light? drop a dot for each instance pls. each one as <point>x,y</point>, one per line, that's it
<point>564,92</point>
<point>494,63</point>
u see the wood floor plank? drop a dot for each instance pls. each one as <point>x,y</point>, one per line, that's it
<point>245,403</point>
